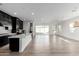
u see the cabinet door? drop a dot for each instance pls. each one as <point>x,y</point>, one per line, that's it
<point>14,44</point>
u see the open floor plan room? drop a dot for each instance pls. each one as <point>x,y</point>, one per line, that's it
<point>39,29</point>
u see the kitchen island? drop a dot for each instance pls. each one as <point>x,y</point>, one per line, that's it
<point>18,43</point>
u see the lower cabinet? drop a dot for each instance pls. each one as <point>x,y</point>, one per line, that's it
<point>14,44</point>
<point>3,40</point>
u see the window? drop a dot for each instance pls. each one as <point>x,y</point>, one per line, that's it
<point>42,29</point>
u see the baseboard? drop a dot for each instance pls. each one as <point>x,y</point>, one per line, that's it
<point>67,38</point>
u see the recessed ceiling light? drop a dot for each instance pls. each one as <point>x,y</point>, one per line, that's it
<point>15,13</point>
<point>33,13</point>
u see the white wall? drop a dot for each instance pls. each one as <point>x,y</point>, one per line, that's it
<point>65,29</point>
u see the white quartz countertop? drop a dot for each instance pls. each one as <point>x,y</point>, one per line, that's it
<point>7,34</point>
<point>19,36</point>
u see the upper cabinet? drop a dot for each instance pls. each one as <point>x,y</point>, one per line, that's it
<point>14,23</point>
<point>5,19</point>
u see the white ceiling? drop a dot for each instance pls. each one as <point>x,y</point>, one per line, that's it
<point>42,12</point>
